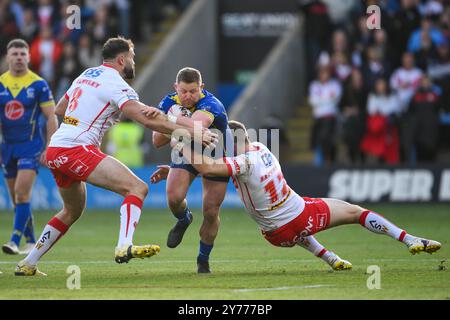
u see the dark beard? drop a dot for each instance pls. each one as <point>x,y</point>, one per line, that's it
<point>128,73</point>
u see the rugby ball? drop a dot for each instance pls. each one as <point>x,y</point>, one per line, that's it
<point>176,110</point>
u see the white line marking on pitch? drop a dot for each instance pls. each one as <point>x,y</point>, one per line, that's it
<point>283,288</point>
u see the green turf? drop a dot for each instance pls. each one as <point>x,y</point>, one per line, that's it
<point>244,265</point>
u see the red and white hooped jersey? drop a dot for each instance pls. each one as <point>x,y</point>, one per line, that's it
<point>95,100</point>
<point>262,188</point>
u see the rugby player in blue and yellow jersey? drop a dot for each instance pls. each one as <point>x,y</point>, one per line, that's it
<point>24,97</point>
<point>210,112</point>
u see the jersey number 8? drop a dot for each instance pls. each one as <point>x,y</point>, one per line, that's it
<point>74,100</point>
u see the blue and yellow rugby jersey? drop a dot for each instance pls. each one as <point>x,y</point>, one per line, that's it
<point>208,103</point>
<point>21,99</point>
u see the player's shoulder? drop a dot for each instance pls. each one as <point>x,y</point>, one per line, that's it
<point>172,97</point>
<point>210,102</point>
<point>29,79</point>
<point>208,97</point>
<point>168,101</point>
<point>259,146</point>
<point>4,76</point>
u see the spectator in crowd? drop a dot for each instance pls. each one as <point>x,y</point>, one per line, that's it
<point>413,40</point>
<point>341,67</point>
<point>353,111</point>
<point>317,32</point>
<point>45,52</point>
<point>122,7</point>
<point>404,22</point>
<point>67,69</point>
<point>374,67</point>
<point>432,33</point>
<point>432,9</point>
<point>381,45</point>
<point>444,22</point>
<point>339,45</point>
<point>88,53</point>
<point>29,28</point>
<point>439,72</point>
<point>100,30</point>
<point>426,51</point>
<point>405,80</point>
<point>324,96</point>
<point>424,119</point>
<point>8,26</point>
<point>364,34</point>
<point>381,140</point>
<point>47,13</point>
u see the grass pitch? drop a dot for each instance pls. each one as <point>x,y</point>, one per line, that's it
<point>245,266</point>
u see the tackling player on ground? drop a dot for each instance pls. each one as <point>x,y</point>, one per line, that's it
<point>93,103</point>
<point>285,218</point>
<point>24,97</point>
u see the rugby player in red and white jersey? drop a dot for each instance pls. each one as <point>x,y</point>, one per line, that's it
<point>285,218</point>
<point>95,101</point>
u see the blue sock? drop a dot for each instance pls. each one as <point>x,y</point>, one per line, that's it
<point>184,217</point>
<point>22,214</point>
<point>29,231</point>
<point>204,251</point>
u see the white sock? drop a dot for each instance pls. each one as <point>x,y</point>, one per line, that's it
<point>54,230</point>
<point>312,245</point>
<point>378,224</point>
<point>130,212</point>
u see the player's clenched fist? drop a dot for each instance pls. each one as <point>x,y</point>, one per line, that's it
<point>209,138</point>
<point>160,174</point>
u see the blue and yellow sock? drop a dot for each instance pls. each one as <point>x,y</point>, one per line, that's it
<point>204,251</point>
<point>21,217</point>
<point>29,231</point>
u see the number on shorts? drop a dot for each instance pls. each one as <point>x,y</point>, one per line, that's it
<point>74,100</point>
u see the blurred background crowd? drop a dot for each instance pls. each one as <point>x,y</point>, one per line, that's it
<point>377,95</point>
<point>58,53</point>
<point>380,95</point>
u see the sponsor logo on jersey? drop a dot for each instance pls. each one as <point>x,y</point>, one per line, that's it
<point>30,93</point>
<point>14,110</point>
<point>70,120</point>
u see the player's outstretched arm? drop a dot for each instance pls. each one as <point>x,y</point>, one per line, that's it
<point>202,163</point>
<point>160,174</point>
<point>158,121</point>
<point>199,117</point>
